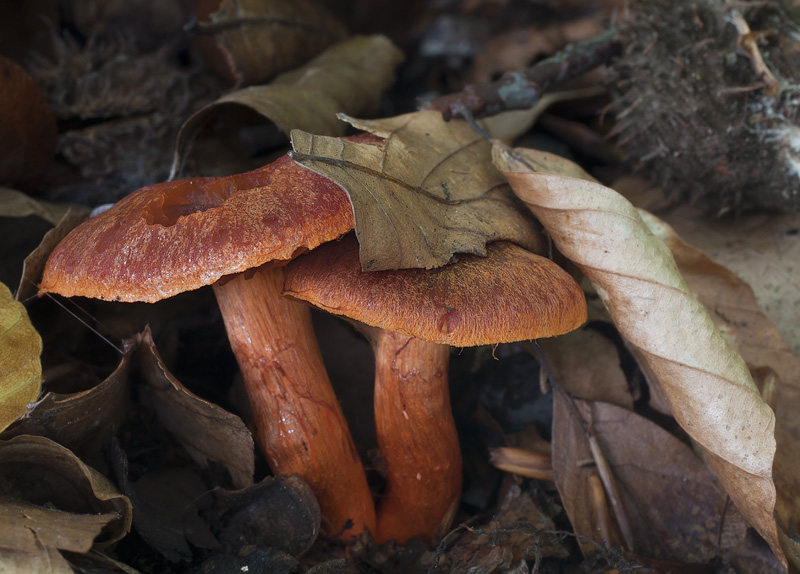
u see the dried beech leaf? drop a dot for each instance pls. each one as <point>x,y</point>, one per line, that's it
<point>734,309</point>
<point>426,193</point>
<point>14,203</point>
<point>250,41</point>
<point>34,264</point>
<point>27,128</point>
<point>74,419</point>
<point>43,473</point>
<point>348,77</point>
<point>206,431</point>
<point>669,495</point>
<point>707,383</point>
<point>20,362</point>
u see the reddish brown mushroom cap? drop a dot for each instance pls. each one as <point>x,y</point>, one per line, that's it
<point>178,236</point>
<point>510,295</point>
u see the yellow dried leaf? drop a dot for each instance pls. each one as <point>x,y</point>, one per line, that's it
<point>426,193</point>
<point>707,384</point>
<point>20,365</point>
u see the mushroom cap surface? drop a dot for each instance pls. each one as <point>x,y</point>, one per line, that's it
<point>177,236</point>
<point>509,295</point>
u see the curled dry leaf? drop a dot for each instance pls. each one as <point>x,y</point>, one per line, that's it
<point>427,192</point>
<point>34,263</point>
<point>20,359</point>
<point>207,432</point>
<point>75,419</point>
<point>708,385</point>
<point>250,41</point>
<point>27,128</point>
<point>40,472</point>
<point>348,77</point>
<point>734,309</point>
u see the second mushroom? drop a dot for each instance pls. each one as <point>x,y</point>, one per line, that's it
<point>412,317</point>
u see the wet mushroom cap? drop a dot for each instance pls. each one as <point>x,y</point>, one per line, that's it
<point>509,295</point>
<point>172,237</point>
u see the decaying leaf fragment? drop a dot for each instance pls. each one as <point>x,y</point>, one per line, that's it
<point>348,77</point>
<point>42,473</point>
<point>20,363</point>
<point>27,128</point>
<point>427,193</point>
<point>207,432</point>
<point>707,383</point>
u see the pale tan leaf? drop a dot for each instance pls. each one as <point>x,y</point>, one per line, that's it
<point>23,526</point>
<point>734,309</point>
<point>45,560</point>
<point>20,363</point>
<point>707,383</point>
<point>348,77</point>
<point>250,41</point>
<point>428,192</point>
<point>761,248</point>
<point>207,431</point>
<point>44,473</point>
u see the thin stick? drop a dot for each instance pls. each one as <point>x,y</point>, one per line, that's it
<point>522,89</point>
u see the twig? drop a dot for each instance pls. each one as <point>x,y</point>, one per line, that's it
<point>522,89</point>
<point>747,43</point>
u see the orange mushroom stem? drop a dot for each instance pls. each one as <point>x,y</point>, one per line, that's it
<point>172,237</point>
<point>417,437</point>
<point>510,295</point>
<point>300,426</point>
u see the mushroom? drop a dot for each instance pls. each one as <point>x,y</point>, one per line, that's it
<point>413,315</point>
<point>177,236</point>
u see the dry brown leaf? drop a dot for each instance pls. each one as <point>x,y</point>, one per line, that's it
<point>674,508</point>
<point>586,364</point>
<point>707,383</point>
<point>20,359</point>
<point>40,472</point>
<point>27,128</point>
<point>74,419</point>
<point>427,192</point>
<point>348,77</point>
<point>733,307</point>
<point>34,264</point>
<point>206,431</point>
<point>250,41</point>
